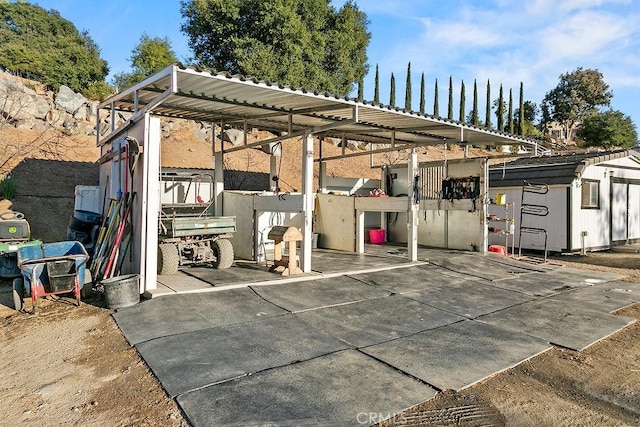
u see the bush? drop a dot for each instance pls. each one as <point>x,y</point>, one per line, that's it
<point>98,91</point>
<point>8,187</point>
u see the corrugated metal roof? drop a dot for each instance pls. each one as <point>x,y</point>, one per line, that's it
<point>550,170</point>
<point>201,95</point>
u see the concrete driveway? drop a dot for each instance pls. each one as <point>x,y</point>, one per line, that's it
<point>357,348</point>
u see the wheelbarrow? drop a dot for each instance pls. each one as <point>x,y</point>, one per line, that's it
<point>49,269</point>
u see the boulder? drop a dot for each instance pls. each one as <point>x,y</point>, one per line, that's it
<point>19,102</point>
<point>234,136</point>
<point>68,100</point>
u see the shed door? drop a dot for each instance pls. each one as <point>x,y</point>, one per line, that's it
<point>619,212</point>
<point>633,212</point>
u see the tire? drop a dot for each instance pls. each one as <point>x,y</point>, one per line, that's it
<point>168,258</point>
<point>223,252</point>
<point>18,294</point>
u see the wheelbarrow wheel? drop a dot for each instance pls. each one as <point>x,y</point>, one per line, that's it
<point>18,294</point>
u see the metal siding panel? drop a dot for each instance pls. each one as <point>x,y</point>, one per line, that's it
<point>634,212</point>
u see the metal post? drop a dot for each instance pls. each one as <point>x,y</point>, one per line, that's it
<point>412,213</point>
<point>307,202</point>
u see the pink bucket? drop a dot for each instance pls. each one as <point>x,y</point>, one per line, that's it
<point>377,236</point>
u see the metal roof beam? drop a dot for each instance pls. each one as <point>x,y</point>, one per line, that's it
<point>367,152</point>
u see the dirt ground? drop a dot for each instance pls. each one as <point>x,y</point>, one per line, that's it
<point>72,366</point>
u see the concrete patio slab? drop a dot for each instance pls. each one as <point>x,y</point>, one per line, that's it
<point>549,283</point>
<point>378,320</point>
<point>607,297</point>
<point>181,282</point>
<point>225,352</point>
<point>346,388</point>
<point>458,355</point>
<point>318,293</point>
<point>564,324</point>
<point>174,314</point>
<point>411,278</point>
<point>239,272</point>
<point>469,298</point>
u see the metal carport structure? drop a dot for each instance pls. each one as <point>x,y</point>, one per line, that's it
<point>224,99</point>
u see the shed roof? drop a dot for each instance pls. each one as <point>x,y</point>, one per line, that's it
<point>550,170</point>
<point>202,95</point>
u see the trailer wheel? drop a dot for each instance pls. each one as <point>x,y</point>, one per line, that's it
<point>223,252</point>
<point>18,294</point>
<point>168,258</point>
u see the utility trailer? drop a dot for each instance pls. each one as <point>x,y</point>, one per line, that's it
<point>189,233</point>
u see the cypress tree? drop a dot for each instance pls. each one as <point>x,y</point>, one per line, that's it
<point>474,113</point>
<point>392,95</point>
<point>462,102</point>
<point>487,121</point>
<point>361,89</point>
<point>521,112</point>
<point>500,112</point>
<point>510,114</point>
<point>436,107</point>
<point>376,89</point>
<point>422,94</point>
<point>407,92</point>
<point>450,110</point>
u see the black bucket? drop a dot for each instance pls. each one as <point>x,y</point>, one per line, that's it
<point>122,291</point>
<point>83,227</point>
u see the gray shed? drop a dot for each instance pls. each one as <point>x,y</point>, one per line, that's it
<point>593,199</point>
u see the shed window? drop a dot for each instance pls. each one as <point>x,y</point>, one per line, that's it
<point>590,194</point>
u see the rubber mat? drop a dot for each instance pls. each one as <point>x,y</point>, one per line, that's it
<point>174,314</point>
<point>607,297</point>
<point>470,299</point>
<point>458,355</point>
<point>379,320</point>
<point>318,293</point>
<point>347,388</point>
<point>410,278</point>
<point>192,360</point>
<point>565,324</point>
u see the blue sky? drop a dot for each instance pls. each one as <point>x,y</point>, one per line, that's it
<point>505,41</point>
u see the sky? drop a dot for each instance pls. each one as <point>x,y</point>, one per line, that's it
<point>503,41</point>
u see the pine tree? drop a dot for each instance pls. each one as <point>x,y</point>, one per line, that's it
<point>436,107</point>
<point>510,114</point>
<point>392,95</point>
<point>422,94</point>
<point>361,89</point>
<point>450,110</point>
<point>474,113</point>
<point>487,121</point>
<point>462,102</point>
<point>407,93</point>
<point>521,112</point>
<point>376,90</point>
<point>500,112</point>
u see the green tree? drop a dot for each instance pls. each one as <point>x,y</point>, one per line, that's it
<point>500,110</point>
<point>450,107</point>
<point>436,106</point>
<point>392,91</point>
<point>462,102</point>
<point>528,117</point>
<point>578,94</point>
<point>361,89</point>
<point>510,113</point>
<point>407,91</point>
<point>487,118</point>
<point>41,45</point>
<point>610,129</point>
<point>521,111</point>
<point>422,88</point>
<point>475,120</point>
<point>376,89</point>
<point>149,56</point>
<point>307,43</point>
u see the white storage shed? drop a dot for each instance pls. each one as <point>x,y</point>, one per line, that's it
<point>593,199</point>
